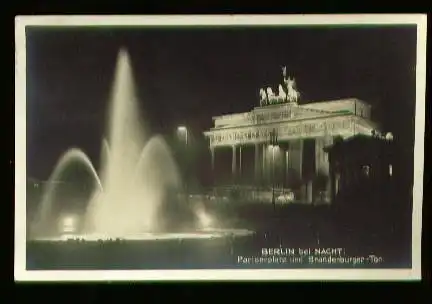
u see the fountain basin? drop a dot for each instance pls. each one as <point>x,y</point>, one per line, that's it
<point>151,236</point>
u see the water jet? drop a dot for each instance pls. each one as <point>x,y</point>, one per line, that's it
<point>136,190</point>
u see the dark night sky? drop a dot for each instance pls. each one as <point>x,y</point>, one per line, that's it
<point>186,76</point>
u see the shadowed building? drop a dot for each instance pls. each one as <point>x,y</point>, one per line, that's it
<point>362,168</point>
<point>280,143</point>
<point>368,190</point>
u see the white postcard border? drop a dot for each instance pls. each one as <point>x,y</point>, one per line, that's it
<point>21,274</point>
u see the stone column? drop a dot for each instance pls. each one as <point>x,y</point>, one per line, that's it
<point>286,166</point>
<point>337,184</point>
<point>321,159</point>
<point>234,161</point>
<point>322,164</point>
<point>240,160</point>
<point>295,152</point>
<point>212,151</point>
<point>279,167</point>
<point>301,157</point>
<point>256,162</point>
<point>263,169</point>
<point>309,193</point>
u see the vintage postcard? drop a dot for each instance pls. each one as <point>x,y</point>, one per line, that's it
<point>280,147</point>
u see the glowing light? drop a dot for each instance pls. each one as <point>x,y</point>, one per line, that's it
<point>390,170</point>
<point>366,170</point>
<point>205,220</point>
<point>272,147</point>
<point>389,136</point>
<point>68,224</point>
<point>69,221</point>
<point>184,131</point>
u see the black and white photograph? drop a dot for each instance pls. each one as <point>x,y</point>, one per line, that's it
<point>241,147</point>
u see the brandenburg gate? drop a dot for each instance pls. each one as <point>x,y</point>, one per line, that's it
<point>280,142</point>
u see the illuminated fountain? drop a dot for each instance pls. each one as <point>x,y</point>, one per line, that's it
<point>136,193</point>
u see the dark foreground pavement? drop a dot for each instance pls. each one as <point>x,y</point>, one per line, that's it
<point>310,237</point>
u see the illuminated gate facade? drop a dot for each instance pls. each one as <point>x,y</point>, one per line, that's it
<point>282,144</point>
